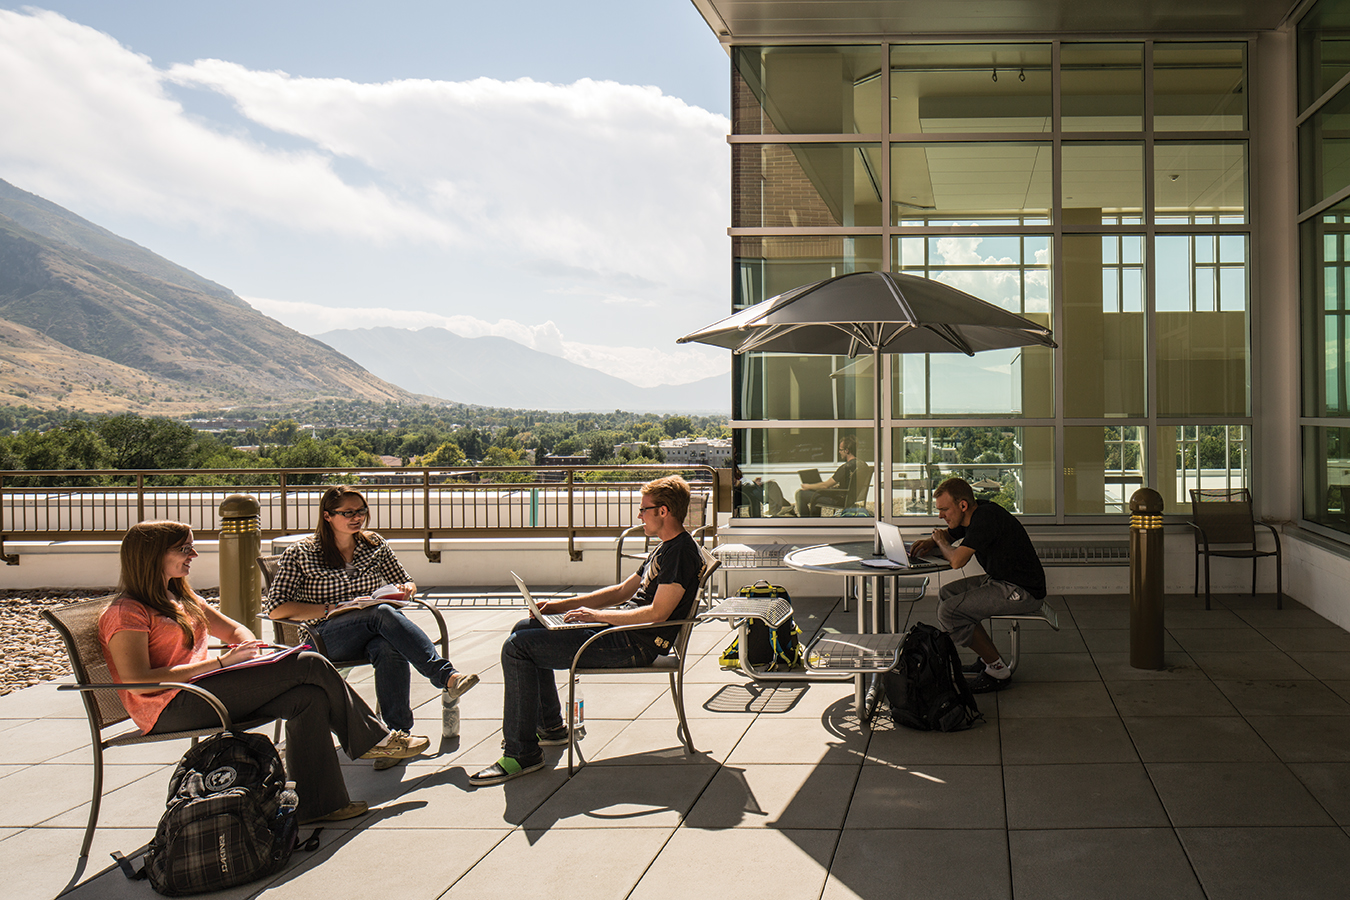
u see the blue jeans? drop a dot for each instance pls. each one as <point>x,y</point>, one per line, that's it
<point>391,641</point>
<point>530,655</point>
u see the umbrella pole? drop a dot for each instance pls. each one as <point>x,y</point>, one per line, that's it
<point>876,445</point>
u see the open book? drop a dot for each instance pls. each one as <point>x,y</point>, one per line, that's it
<point>387,593</point>
<point>269,655</point>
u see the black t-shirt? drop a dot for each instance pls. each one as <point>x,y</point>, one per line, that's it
<point>843,476</point>
<point>676,561</point>
<point>1003,547</point>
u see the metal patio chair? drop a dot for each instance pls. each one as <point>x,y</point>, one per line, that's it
<point>1223,516</point>
<point>77,624</point>
<point>672,664</point>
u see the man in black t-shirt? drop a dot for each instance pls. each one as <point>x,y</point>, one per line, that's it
<point>1014,583</point>
<point>663,589</point>
<point>837,490</point>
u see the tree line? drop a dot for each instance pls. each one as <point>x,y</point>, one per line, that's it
<point>333,435</point>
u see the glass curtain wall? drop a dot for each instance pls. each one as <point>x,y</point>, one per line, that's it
<point>1098,188</point>
<point>1324,244</point>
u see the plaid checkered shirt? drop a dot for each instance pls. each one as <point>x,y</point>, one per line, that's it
<point>303,577</point>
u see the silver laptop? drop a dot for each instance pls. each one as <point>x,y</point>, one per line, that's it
<point>897,555</point>
<point>552,621</point>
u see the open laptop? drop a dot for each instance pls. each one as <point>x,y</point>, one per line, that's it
<point>810,476</point>
<point>897,556</point>
<point>552,621</point>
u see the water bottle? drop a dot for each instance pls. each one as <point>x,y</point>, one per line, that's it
<point>449,716</point>
<point>578,709</point>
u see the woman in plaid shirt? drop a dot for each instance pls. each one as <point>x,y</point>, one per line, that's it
<point>342,561</point>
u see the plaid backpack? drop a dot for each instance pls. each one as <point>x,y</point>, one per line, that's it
<point>230,818</point>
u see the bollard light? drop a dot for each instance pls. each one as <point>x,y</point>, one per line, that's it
<point>240,541</point>
<point>1146,579</point>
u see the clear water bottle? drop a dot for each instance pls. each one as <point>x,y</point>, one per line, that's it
<point>579,709</point>
<point>449,716</point>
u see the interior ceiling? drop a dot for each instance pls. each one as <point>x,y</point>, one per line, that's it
<point>734,20</point>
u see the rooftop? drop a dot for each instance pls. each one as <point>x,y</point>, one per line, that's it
<point>1225,775</point>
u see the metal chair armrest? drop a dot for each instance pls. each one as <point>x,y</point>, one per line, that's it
<point>444,639</point>
<point>211,699</point>
<point>1273,533</point>
<point>615,629</point>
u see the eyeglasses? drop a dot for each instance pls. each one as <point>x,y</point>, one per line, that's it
<point>186,550</point>
<point>352,513</point>
<point>643,509</point>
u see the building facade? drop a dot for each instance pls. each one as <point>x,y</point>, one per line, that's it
<point>1168,190</point>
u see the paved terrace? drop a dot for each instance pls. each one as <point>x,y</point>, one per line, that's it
<point>1227,775</point>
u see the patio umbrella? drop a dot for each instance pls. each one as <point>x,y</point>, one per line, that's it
<point>880,312</point>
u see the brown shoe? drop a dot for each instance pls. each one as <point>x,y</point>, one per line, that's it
<point>400,745</point>
<point>350,811</point>
<point>459,685</point>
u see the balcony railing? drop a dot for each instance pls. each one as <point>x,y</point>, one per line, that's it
<point>426,503</point>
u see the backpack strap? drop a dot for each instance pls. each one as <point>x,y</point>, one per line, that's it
<point>132,873</point>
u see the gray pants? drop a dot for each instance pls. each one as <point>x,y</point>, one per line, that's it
<point>965,603</point>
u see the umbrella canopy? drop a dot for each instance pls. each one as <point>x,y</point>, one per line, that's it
<point>880,312</point>
<point>883,312</point>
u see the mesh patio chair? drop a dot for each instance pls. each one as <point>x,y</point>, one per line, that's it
<point>672,664</point>
<point>77,624</point>
<point>1223,517</point>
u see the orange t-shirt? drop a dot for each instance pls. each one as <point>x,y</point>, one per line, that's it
<point>166,649</point>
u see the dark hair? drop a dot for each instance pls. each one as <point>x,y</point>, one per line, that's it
<point>958,489</point>
<point>672,492</point>
<point>323,531</point>
<point>850,444</point>
<point>142,578</point>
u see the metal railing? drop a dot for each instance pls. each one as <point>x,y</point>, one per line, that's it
<point>426,503</point>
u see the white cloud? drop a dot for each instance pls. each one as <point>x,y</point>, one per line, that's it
<point>643,366</point>
<point>616,188</point>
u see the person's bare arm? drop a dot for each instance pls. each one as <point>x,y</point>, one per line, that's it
<point>668,597</point>
<point>130,652</point>
<point>956,556</point>
<point>604,598</point>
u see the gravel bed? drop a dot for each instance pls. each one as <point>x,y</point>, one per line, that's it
<point>30,650</point>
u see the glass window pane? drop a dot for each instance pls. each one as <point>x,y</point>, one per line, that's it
<point>1323,49</point>
<point>770,461</point>
<point>1201,456</point>
<point>1103,467</point>
<point>1011,272</point>
<point>782,386</point>
<point>765,267</point>
<point>805,185</point>
<point>1103,350</point>
<point>1102,87</point>
<point>1014,467</point>
<point>1199,179</point>
<point>1324,151</point>
<point>956,88</point>
<point>1202,349</point>
<point>1200,87</point>
<point>970,182</point>
<point>806,90</point>
<point>1105,178</point>
<point>1326,345</point>
<point>1326,477</point>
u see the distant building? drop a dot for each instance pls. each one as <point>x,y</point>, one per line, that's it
<point>697,451</point>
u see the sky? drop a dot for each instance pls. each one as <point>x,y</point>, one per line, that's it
<point>554,173</point>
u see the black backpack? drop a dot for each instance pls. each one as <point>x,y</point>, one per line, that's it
<point>230,818</point>
<point>774,648</point>
<point>926,689</point>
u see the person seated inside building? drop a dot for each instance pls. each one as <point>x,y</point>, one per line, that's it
<point>839,489</point>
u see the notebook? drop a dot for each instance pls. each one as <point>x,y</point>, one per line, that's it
<point>810,476</point>
<point>897,556</point>
<point>552,621</point>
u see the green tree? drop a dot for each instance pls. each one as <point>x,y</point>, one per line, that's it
<point>502,456</point>
<point>153,443</point>
<point>447,454</point>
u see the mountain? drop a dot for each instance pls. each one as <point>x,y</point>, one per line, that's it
<point>91,320</point>
<point>494,371</point>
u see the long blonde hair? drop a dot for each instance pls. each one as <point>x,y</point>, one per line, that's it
<point>143,549</point>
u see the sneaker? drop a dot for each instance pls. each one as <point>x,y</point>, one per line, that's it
<point>400,745</point>
<point>984,683</point>
<point>974,668</point>
<point>504,769</point>
<point>350,811</point>
<point>553,737</point>
<point>459,685</point>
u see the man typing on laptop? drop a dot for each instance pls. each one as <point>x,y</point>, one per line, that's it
<point>838,488</point>
<point>1013,583</point>
<point>663,589</point>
